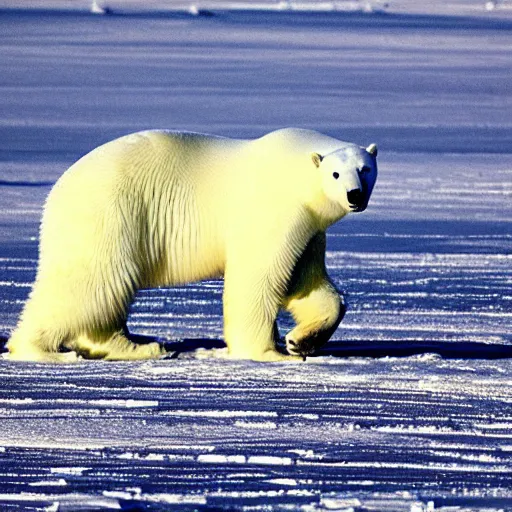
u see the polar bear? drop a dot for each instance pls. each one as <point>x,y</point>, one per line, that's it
<point>161,208</point>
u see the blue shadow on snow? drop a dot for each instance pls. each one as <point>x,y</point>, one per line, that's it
<point>344,349</point>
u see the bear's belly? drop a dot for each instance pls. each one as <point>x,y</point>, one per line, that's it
<point>186,257</point>
<point>194,266</point>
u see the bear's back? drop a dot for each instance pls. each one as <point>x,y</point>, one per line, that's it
<point>299,141</point>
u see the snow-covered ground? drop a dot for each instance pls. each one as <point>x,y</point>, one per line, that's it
<point>410,406</point>
<point>447,7</point>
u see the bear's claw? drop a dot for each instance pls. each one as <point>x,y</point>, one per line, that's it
<point>169,355</point>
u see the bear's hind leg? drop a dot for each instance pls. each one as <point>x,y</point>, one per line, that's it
<point>116,347</point>
<point>41,347</point>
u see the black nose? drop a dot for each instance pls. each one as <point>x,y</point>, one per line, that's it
<point>355,197</point>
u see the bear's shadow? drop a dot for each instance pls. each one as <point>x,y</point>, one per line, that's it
<point>352,348</point>
<point>346,348</point>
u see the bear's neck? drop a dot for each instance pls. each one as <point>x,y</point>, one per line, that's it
<point>325,211</point>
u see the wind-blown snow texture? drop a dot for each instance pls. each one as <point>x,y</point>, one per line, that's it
<point>410,407</point>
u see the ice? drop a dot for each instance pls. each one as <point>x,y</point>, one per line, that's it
<point>216,459</point>
<point>223,414</point>
<point>410,405</point>
<point>69,471</point>
<point>269,460</point>
<point>50,483</point>
<point>283,481</point>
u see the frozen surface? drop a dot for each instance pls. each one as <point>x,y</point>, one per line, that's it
<point>410,406</point>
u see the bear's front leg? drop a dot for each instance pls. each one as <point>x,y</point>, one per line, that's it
<point>317,315</point>
<point>251,303</point>
<point>313,301</point>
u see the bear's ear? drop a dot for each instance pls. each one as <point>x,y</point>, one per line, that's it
<point>317,159</point>
<point>372,149</point>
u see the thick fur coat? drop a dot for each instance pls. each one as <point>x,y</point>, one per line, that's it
<point>161,208</point>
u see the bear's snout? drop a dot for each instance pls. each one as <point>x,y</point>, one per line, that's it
<point>356,199</point>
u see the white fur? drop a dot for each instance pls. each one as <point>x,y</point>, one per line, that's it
<point>163,208</point>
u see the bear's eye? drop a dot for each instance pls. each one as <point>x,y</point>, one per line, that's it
<point>336,175</point>
<point>365,169</point>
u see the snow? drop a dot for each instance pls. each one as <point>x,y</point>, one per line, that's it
<point>410,405</point>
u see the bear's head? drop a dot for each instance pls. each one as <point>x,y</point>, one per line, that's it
<point>348,176</point>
